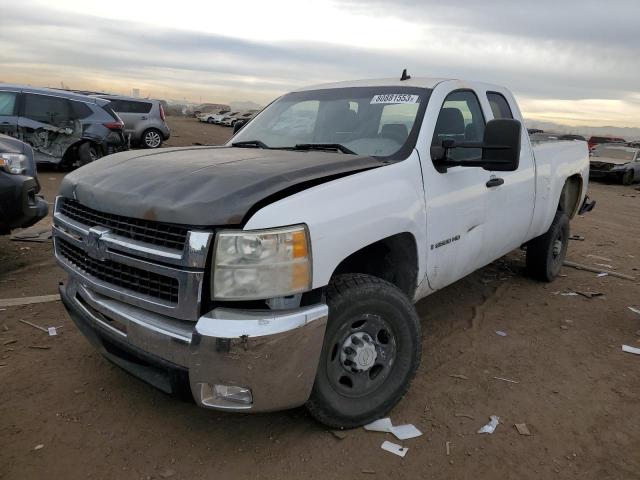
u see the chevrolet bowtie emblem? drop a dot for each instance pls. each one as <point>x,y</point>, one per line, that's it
<point>96,247</point>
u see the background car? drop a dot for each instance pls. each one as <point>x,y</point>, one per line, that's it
<point>20,206</point>
<point>614,161</point>
<point>571,136</point>
<point>595,141</point>
<point>64,128</point>
<point>144,119</point>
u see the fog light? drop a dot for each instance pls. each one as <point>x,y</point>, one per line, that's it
<point>233,394</point>
<point>229,397</point>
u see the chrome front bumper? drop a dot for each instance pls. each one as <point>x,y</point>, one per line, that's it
<point>273,353</point>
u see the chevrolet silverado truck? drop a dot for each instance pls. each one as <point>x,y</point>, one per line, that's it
<point>282,268</point>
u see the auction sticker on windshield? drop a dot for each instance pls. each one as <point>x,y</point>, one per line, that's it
<point>394,98</point>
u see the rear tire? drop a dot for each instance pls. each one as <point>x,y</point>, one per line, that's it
<point>88,152</point>
<point>627,177</point>
<point>152,138</point>
<point>546,253</point>
<point>371,350</point>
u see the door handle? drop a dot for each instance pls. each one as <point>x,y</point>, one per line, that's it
<point>495,182</point>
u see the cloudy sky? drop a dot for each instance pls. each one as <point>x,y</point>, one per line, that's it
<point>573,62</point>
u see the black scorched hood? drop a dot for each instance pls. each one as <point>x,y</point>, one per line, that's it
<point>202,186</point>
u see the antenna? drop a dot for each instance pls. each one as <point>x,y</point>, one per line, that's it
<point>404,75</point>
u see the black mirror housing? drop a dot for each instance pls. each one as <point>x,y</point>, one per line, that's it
<point>238,125</point>
<point>501,145</point>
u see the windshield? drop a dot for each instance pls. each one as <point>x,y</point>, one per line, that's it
<point>618,153</point>
<point>375,121</point>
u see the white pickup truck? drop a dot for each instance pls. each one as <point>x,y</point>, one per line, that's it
<point>281,269</point>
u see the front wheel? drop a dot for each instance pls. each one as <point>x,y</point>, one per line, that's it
<point>627,177</point>
<point>371,350</point>
<point>546,253</point>
<point>152,138</point>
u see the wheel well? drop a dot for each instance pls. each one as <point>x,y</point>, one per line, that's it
<point>394,259</point>
<point>570,195</point>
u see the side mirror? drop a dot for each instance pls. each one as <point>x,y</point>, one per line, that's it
<point>500,148</point>
<point>238,125</point>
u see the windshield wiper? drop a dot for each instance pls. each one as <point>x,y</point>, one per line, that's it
<point>324,146</point>
<point>250,144</point>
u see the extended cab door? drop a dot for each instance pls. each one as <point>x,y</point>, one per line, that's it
<point>511,199</point>
<point>456,199</point>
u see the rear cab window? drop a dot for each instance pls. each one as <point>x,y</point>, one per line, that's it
<point>8,103</point>
<point>499,106</point>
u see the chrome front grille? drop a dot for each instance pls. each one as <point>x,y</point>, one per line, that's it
<point>132,261</point>
<point>147,231</point>
<point>131,278</point>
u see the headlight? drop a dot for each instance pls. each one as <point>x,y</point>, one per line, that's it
<point>13,163</point>
<point>260,264</point>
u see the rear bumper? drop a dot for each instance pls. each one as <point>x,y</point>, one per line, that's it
<point>274,354</point>
<point>20,207</point>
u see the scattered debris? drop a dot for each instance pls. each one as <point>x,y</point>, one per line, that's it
<point>569,294</point>
<point>14,302</point>
<point>394,448</point>
<point>52,331</point>
<point>402,432</point>
<point>506,380</point>
<point>33,325</point>
<point>339,434</point>
<point>9,342</point>
<point>579,266</point>
<point>39,235</point>
<point>491,426</point>
<point>370,472</point>
<point>522,429</point>
<point>167,473</point>
<point>38,447</point>
<point>628,349</point>
<point>634,310</point>
<point>602,274</point>
<point>463,415</point>
<point>589,294</point>
<point>448,446</point>
<point>39,347</point>
<point>577,237</point>
<point>460,376</point>
<point>501,333</point>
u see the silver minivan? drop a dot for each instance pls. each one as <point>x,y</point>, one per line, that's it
<point>144,119</point>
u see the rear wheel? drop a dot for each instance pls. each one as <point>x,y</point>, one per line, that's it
<point>546,253</point>
<point>210,120</point>
<point>370,354</point>
<point>627,177</point>
<point>152,138</point>
<point>88,152</point>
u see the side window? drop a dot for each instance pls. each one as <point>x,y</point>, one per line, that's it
<point>80,109</point>
<point>47,109</point>
<point>460,119</point>
<point>499,106</point>
<point>139,107</point>
<point>7,103</point>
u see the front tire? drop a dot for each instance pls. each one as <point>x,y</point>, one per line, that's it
<point>546,253</point>
<point>371,350</point>
<point>152,138</point>
<point>627,177</point>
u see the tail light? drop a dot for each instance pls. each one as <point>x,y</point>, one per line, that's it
<point>162,116</point>
<point>114,125</point>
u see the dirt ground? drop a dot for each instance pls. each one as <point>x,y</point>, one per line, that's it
<point>575,389</point>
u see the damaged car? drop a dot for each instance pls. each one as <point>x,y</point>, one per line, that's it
<point>63,128</point>
<point>616,162</point>
<point>20,204</point>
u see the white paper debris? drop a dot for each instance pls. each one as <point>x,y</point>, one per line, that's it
<point>52,331</point>
<point>602,274</point>
<point>628,349</point>
<point>501,333</point>
<point>634,310</point>
<point>491,426</point>
<point>569,294</point>
<point>405,432</point>
<point>394,448</point>
<point>402,432</point>
<point>382,425</point>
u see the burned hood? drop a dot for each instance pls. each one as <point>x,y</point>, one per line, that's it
<point>202,186</point>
